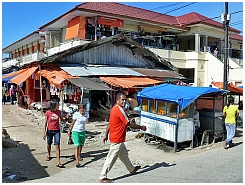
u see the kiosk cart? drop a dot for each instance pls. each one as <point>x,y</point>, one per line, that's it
<point>167,110</point>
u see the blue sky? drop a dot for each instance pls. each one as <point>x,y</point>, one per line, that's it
<point>22,18</point>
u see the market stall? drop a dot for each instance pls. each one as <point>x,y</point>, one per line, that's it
<point>168,110</point>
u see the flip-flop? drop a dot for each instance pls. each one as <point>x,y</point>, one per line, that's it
<point>81,159</point>
<point>135,170</point>
<point>78,165</point>
<point>60,166</point>
<point>105,180</point>
<point>48,158</point>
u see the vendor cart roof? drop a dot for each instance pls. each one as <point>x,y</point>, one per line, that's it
<point>182,95</point>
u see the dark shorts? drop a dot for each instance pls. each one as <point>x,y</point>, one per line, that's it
<point>53,134</point>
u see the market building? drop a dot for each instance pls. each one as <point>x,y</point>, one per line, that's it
<point>92,34</point>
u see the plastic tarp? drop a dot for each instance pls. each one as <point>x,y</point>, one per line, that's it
<point>129,82</point>
<point>182,95</point>
<point>232,88</point>
<point>23,76</point>
<point>89,84</point>
<point>9,76</point>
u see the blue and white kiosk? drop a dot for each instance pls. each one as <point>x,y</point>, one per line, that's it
<point>168,110</point>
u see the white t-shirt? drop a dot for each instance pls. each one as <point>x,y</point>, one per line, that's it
<point>80,121</point>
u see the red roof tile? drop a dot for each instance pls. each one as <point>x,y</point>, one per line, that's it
<point>236,37</point>
<point>195,18</point>
<point>129,11</point>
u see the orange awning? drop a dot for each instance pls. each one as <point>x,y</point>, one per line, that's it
<point>14,73</point>
<point>55,75</point>
<point>232,88</point>
<point>128,82</point>
<point>23,76</point>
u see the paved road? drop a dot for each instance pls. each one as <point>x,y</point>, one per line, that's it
<point>213,166</point>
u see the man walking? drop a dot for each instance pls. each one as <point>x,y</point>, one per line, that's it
<point>117,128</point>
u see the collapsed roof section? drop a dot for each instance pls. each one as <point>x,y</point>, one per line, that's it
<point>117,40</point>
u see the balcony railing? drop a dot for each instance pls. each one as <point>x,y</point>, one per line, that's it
<point>26,59</point>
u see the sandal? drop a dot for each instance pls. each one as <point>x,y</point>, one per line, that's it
<point>135,169</point>
<point>80,159</point>
<point>78,165</point>
<point>60,166</point>
<point>106,180</point>
<point>48,158</point>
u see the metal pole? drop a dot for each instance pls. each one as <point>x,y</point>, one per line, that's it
<point>41,94</point>
<point>95,28</point>
<point>226,25</point>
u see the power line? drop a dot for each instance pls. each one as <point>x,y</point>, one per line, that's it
<point>160,7</point>
<point>179,8</point>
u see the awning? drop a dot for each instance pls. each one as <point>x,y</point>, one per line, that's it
<point>128,82</point>
<point>13,74</point>
<point>161,73</point>
<point>182,95</point>
<point>232,88</point>
<point>8,78</point>
<point>89,84</point>
<point>55,75</point>
<point>23,76</point>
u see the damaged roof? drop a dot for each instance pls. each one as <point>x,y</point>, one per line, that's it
<point>117,40</point>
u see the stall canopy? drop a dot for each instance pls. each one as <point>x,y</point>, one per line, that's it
<point>9,76</point>
<point>89,84</point>
<point>23,76</point>
<point>182,95</point>
<point>129,82</point>
<point>232,88</point>
<point>55,75</point>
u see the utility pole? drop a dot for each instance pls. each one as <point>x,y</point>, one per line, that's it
<point>226,18</point>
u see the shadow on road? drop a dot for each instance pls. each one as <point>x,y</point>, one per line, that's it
<point>20,165</point>
<point>96,155</point>
<point>147,169</point>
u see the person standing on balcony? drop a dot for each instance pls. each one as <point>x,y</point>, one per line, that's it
<point>216,52</point>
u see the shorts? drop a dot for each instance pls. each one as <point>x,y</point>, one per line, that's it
<point>78,138</point>
<point>53,133</point>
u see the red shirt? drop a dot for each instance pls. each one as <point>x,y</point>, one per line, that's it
<point>11,91</point>
<point>118,121</point>
<point>53,119</point>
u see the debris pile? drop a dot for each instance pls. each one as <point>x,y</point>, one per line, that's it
<point>6,140</point>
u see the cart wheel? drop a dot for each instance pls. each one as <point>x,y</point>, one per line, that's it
<point>147,138</point>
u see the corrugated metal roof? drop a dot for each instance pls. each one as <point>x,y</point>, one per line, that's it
<point>159,73</point>
<point>129,82</point>
<point>89,84</point>
<point>100,71</point>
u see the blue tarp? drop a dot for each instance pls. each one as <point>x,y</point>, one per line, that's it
<point>7,79</point>
<point>182,95</point>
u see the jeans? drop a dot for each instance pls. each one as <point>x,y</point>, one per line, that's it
<point>4,99</point>
<point>231,129</point>
<point>53,134</point>
<point>12,99</point>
